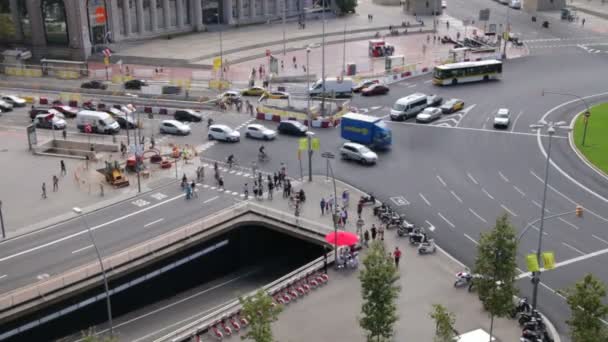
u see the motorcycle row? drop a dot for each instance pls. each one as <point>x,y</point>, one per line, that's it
<point>534,328</point>
<point>417,235</point>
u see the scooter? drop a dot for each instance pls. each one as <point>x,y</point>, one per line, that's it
<point>526,317</point>
<point>427,247</point>
<point>405,228</point>
<point>522,307</point>
<point>418,238</point>
<point>367,199</point>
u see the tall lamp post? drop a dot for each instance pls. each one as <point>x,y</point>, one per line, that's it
<point>328,156</point>
<point>309,134</point>
<point>551,128</point>
<point>221,50</point>
<point>323,60</point>
<point>79,211</point>
<point>587,111</point>
<point>2,222</point>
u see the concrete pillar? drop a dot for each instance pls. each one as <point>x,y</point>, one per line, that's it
<point>265,8</point>
<point>251,8</point>
<point>227,7</point>
<point>139,14</point>
<point>35,12</point>
<point>78,30</point>
<point>126,18</point>
<point>239,9</point>
<point>166,14</point>
<point>114,19</point>
<point>198,15</point>
<point>15,15</point>
<point>179,8</point>
<point>154,15</point>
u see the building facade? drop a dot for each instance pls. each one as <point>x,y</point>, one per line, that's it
<point>72,29</point>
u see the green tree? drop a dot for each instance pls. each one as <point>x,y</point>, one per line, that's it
<point>346,6</point>
<point>586,301</point>
<point>444,323</point>
<point>496,263</point>
<point>379,291</point>
<point>261,311</point>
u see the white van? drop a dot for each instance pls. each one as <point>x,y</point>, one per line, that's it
<point>409,106</point>
<point>333,87</point>
<point>100,122</point>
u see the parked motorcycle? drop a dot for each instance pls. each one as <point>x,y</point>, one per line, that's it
<point>416,238</point>
<point>526,317</point>
<point>367,199</point>
<point>427,247</point>
<point>405,229</point>
<point>522,307</point>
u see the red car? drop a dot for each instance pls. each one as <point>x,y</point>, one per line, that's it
<point>69,112</point>
<point>375,89</point>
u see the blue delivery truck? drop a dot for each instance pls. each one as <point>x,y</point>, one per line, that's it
<point>366,130</point>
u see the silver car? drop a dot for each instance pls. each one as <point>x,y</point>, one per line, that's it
<point>429,114</point>
<point>502,118</point>
<point>174,127</point>
<point>14,100</point>
<point>358,152</point>
<point>258,131</point>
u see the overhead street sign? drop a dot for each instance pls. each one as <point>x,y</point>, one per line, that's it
<point>484,14</point>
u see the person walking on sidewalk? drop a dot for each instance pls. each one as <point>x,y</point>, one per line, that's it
<point>397,256</point>
<point>270,190</point>
<point>374,232</point>
<point>322,206</point>
<point>193,186</point>
<point>366,238</point>
<point>63,169</point>
<point>64,134</point>
<point>43,190</point>
<point>220,182</point>
<point>381,233</point>
<point>583,22</point>
<point>246,191</point>
<point>359,209</point>
<point>55,183</point>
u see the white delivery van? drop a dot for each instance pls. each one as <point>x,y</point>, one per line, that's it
<point>409,106</point>
<point>100,122</point>
<point>338,87</point>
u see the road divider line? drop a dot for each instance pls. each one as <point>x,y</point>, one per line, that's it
<point>474,129</point>
<point>477,215</point>
<point>508,210</point>
<point>447,221</point>
<point>470,238</point>
<point>424,199</point>
<point>431,227</point>
<point>573,248</point>
<point>519,190</point>
<point>3,276</point>
<point>456,196</point>
<point>411,86</point>
<point>472,179</point>
<point>441,180</point>
<point>487,193</point>
<point>211,199</point>
<point>599,238</point>
<point>516,118</point>
<point>71,236</point>
<point>569,223</point>
<point>504,178</point>
<point>153,222</point>
<point>538,230</point>
<point>82,249</point>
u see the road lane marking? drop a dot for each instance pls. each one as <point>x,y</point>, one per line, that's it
<point>504,178</point>
<point>474,129</point>
<point>538,230</point>
<point>456,196</point>
<point>431,227</point>
<point>211,199</point>
<point>487,193</point>
<point>153,222</point>
<point>68,237</point>
<point>477,215</point>
<point>447,221</point>
<point>516,118</point>
<point>425,200</point>
<point>82,249</point>
<point>428,81</point>
<point>472,179</point>
<point>569,223</point>
<point>464,113</point>
<point>568,198</point>
<point>470,238</point>
<point>441,180</point>
<point>573,248</point>
<point>599,238</point>
<point>2,276</point>
<point>540,205</point>
<point>508,210</point>
<point>411,86</point>
<point>519,190</point>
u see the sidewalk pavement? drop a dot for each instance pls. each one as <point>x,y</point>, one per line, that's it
<point>330,313</point>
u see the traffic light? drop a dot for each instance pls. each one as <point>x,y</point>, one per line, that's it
<point>579,211</point>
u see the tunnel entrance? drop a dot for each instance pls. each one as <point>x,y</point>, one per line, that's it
<point>250,255</point>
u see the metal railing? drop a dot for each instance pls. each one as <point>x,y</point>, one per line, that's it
<point>91,271</point>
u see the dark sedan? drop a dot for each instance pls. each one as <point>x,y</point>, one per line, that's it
<point>94,85</point>
<point>375,89</point>
<point>359,87</point>
<point>135,84</point>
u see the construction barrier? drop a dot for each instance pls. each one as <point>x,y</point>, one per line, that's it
<point>274,114</point>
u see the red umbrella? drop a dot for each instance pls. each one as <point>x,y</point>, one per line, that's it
<point>342,238</point>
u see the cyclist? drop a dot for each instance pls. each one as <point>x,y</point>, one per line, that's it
<point>262,155</point>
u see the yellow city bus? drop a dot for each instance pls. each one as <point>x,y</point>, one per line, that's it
<point>455,73</point>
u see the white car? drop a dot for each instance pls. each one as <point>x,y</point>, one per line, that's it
<point>14,100</point>
<point>174,127</point>
<point>49,121</point>
<point>230,95</point>
<point>257,131</point>
<point>224,133</point>
<point>502,118</point>
<point>5,106</point>
<point>358,152</point>
<point>515,4</point>
<point>429,114</point>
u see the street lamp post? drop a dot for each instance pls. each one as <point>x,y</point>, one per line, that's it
<point>2,222</point>
<point>323,60</point>
<point>221,50</point>
<point>79,211</point>
<point>587,111</point>
<point>309,136</point>
<point>551,127</point>
<point>328,156</point>
<point>344,53</point>
<point>284,47</point>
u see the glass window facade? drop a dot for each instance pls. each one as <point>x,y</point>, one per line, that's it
<point>97,11</point>
<point>55,23</point>
<point>8,27</point>
<point>147,16</point>
<point>211,8</point>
